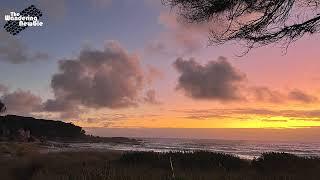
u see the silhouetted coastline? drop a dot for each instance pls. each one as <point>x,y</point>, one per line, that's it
<point>28,129</point>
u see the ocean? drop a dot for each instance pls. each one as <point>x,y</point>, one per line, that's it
<point>242,148</point>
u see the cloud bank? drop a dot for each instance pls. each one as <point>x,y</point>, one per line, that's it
<point>217,80</point>
<point>301,96</point>
<point>111,78</point>
<point>22,102</point>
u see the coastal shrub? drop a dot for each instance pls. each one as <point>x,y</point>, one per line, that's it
<point>156,166</point>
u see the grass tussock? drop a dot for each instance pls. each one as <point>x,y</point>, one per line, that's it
<point>157,166</point>
<point>15,149</point>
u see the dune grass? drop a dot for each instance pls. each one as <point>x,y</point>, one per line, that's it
<point>156,166</point>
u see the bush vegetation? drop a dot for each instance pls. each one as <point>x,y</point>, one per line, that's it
<point>39,128</point>
<point>156,166</point>
<point>42,130</point>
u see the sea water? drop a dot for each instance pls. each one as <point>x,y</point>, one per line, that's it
<point>241,148</point>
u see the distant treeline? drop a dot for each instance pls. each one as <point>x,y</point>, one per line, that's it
<point>26,129</point>
<point>12,127</point>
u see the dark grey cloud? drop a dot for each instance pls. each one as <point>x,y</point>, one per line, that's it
<point>265,94</point>
<point>68,109</point>
<point>13,50</point>
<point>22,102</point>
<point>217,80</point>
<point>301,96</point>
<point>111,78</point>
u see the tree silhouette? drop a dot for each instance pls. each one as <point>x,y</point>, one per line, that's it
<point>256,22</point>
<point>2,107</point>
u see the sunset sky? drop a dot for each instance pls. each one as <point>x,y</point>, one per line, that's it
<point>131,64</point>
